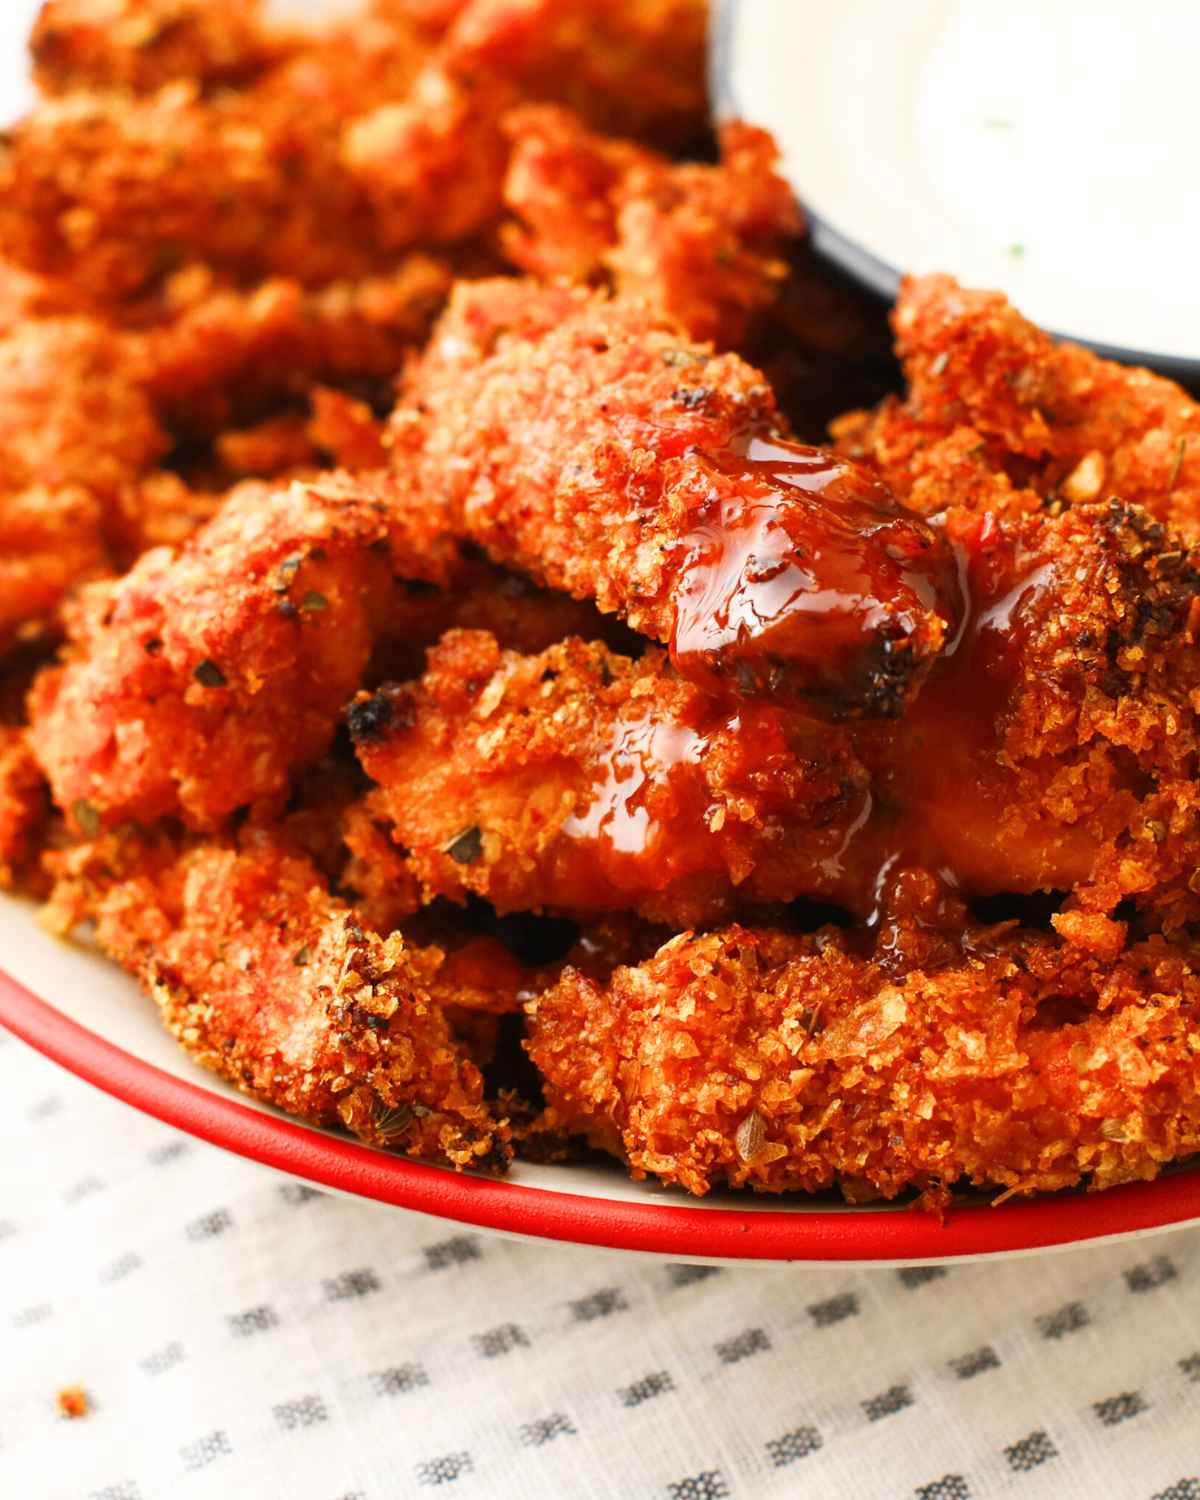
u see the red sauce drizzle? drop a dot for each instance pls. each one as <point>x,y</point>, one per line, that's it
<point>806,578</point>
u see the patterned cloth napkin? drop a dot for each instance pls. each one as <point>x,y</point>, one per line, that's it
<point>235,1334</point>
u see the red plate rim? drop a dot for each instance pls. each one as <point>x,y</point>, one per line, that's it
<point>675,1230</point>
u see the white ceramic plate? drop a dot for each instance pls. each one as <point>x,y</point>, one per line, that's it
<point>83,1012</point>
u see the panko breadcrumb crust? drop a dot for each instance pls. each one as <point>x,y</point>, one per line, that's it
<point>434,668</point>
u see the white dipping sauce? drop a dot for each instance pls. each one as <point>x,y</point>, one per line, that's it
<point>1046,147</point>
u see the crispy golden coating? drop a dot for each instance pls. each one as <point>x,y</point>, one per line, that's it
<point>199,682</point>
<point>581,781</point>
<point>671,498</point>
<point>50,540</point>
<point>1000,417</point>
<point>72,410</point>
<point>703,243</point>
<point>433,162</point>
<point>270,982</point>
<point>784,1063</point>
<point>75,428</point>
<point>360,142</point>
<point>113,191</point>
<point>218,353</point>
<point>23,802</point>
<point>140,44</point>
<point>25,295</point>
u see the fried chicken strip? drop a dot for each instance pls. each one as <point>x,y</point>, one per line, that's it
<point>589,444</point>
<point>703,243</point>
<point>433,162</point>
<point>1053,748</point>
<point>75,429</point>
<point>268,981</point>
<point>217,353</point>
<point>786,1063</point>
<point>140,44</point>
<point>112,192</point>
<point>199,682</point>
<point>998,416</point>
<point>581,781</point>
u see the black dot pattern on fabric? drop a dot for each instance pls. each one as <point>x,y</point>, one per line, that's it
<point>209,1226</point>
<point>834,1309</point>
<point>398,1380</point>
<point>1069,1318</point>
<point>742,1346</point>
<point>162,1359</point>
<point>296,1193</point>
<point>657,1383</point>
<point>1116,1409</point>
<point>254,1320</point>
<point>28,1317</point>
<point>975,1362</point>
<point>305,1411</point>
<point>888,1402</point>
<point>682,1275</point>
<point>1030,1452</point>
<point>545,1429</point>
<point>1152,1274</point>
<point>710,1484</point>
<point>118,1269</point>
<point>788,1447</point>
<point>444,1470</point>
<point>169,1151</point>
<point>1182,1489</point>
<point>1190,1366</point>
<point>46,1108</point>
<point>601,1304</point>
<point>350,1284</point>
<point>206,1450</point>
<point>915,1276</point>
<point>948,1487</point>
<point>86,1187</point>
<point>452,1252</point>
<point>501,1340</point>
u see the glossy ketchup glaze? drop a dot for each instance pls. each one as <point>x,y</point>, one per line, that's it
<point>642,758</point>
<point>946,800</point>
<point>710,797</point>
<point>805,579</point>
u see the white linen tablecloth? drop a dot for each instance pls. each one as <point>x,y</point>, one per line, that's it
<point>239,1335</point>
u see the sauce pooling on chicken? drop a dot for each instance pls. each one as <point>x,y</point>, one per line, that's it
<point>807,579</point>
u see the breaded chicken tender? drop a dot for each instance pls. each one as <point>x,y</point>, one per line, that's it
<point>273,984</point>
<point>203,679</point>
<point>998,416</point>
<point>72,408</point>
<point>1053,749</point>
<point>217,352</point>
<point>113,191</point>
<point>140,44</point>
<point>580,781</point>
<point>782,1063</point>
<point>590,444</point>
<point>75,428</point>
<point>706,244</point>
<point>433,162</point>
<point>50,541</point>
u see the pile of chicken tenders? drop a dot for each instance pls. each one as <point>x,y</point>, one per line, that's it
<point>494,644</point>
